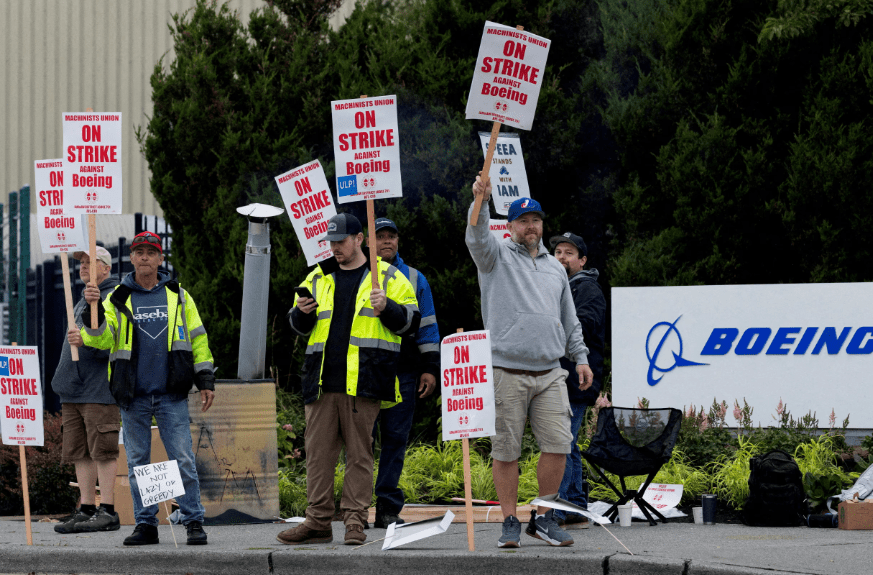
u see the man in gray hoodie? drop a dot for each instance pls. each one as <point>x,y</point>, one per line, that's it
<point>91,417</point>
<point>528,308</point>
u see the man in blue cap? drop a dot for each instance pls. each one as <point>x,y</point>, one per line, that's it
<point>572,253</point>
<point>419,363</point>
<point>528,308</point>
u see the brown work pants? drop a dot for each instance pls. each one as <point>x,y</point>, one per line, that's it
<point>332,421</point>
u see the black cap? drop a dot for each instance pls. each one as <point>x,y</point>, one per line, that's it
<point>570,238</point>
<point>340,227</point>
<point>382,223</point>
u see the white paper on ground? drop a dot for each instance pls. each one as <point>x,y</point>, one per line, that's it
<point>556,502</point>
<point>398,535</point>
<point>293,519</point>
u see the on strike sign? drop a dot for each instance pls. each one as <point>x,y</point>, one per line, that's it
<point>498,228</point>
<point>58,232</point>
<point>508,76</point>
<point>367,149</point>
<point>309,204</point>
<point>20,396</point>
<point>92,163</point>
<point>508,164</point>
<point>468,388</point>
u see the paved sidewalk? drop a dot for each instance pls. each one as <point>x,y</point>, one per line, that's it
<point>672,549</point>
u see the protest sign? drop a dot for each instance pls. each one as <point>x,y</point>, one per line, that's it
<point>468,385</point>
<point>498,228</point>
<point>507,159</point>
<point>59,232</point>
<point>158,482</point>
<point>92,163</point>
<point>508,76</point>
<point>20,396</point>
<point>366,145</point>
<point>309,204</point>
<point>398,535</point>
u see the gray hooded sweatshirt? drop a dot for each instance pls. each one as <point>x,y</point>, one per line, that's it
<point>526,302</point>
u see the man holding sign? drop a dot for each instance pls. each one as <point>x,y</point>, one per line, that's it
<point>350,367</point>
<point>160,350</point>
<point>527,305</point>
<point>91,417</point>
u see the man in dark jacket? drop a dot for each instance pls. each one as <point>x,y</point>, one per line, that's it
<point>571,252</point>
<point>91,418</point>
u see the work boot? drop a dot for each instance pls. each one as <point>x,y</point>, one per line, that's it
<point>355,534</point>
<point>303,534</point>
<point>384,518</point>
<point>101,521</point>
<point>196,535</point>
<point>72,524</point>
<point>143,534</point>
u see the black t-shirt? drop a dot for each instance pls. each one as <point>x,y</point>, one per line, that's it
<point>336,348</point>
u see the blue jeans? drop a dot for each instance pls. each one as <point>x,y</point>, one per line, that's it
<point>171,413</point>
<point>574,486</point>
<point>394,424</point>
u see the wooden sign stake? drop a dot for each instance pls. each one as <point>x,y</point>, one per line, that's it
<point>371,240</point>
<point>486,168</point>
<point>167,509</point>
<point>68,298</point>
<point>468,488</point>
<point>25,491</point>
<point>92,254</point>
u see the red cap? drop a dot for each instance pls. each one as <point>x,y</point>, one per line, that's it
<point>146,239</point>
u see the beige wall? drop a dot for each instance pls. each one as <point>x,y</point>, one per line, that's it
<point>68,55</point>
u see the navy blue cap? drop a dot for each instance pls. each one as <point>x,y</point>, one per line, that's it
<point>340,227</point>
<point>572,239</point>
<point>382,223</point>
<point>524,206</point>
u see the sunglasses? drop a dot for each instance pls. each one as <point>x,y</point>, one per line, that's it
<point>145,239</point>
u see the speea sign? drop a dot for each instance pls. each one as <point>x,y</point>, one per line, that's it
<point>810,345</point>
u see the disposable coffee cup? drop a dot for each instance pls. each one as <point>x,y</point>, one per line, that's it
<point>624,514</point>
<point>698,515</point>
<point>708,502</point>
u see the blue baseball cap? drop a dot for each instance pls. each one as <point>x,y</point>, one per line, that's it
<point>523,206</point>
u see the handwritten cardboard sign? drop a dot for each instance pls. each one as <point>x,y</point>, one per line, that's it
<point>20,396</point>
<point>508,76</point>
<point>309,204</point>
<point>508,176</point>
<point>366,144</point>
<point>158,482</point>
<point>92,162</point>
<point>468,385</point>
<point>59,232</point>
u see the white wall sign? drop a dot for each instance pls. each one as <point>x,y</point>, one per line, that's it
<point>158,482</point>
<point>498,228</point>
<point>508,176</point>
<point>92,162</point>
<point>309,204</point>
<point>58,232</point>
<point>20,396</point>
<point>808,344</point>
<point>468,385</point>
<point>508,75</point>
<point>366,144</point>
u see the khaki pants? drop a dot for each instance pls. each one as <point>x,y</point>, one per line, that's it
<point>332,421</point>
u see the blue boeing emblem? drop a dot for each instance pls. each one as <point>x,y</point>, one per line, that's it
<point>678,360</point>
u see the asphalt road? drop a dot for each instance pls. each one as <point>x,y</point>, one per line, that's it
<point>677,548</point>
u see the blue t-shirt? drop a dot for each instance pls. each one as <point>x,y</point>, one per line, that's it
<point>151,321</point>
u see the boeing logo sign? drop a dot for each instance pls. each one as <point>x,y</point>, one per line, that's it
<point>665,333</point>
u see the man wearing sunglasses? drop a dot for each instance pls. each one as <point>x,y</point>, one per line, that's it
<point>159,349</point>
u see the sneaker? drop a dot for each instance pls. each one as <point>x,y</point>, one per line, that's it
<point>579,521</point>
<point>101,521</point>
<point>143,534</point>
<point>511,532</point>
<point>547,529</point>
<point>355,534</point>
<point>303,534</point>
<point>383,520</point>
<point>72,524</point>
<point>196,535</point>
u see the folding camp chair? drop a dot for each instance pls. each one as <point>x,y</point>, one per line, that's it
<point>633,442</point>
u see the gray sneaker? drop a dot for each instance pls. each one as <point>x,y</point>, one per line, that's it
<point>511,532</point>
<point>101,521</point>
<point>73,523</point>
<point>547,529</point>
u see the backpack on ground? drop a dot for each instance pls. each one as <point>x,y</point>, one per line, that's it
<point>776,495</point>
